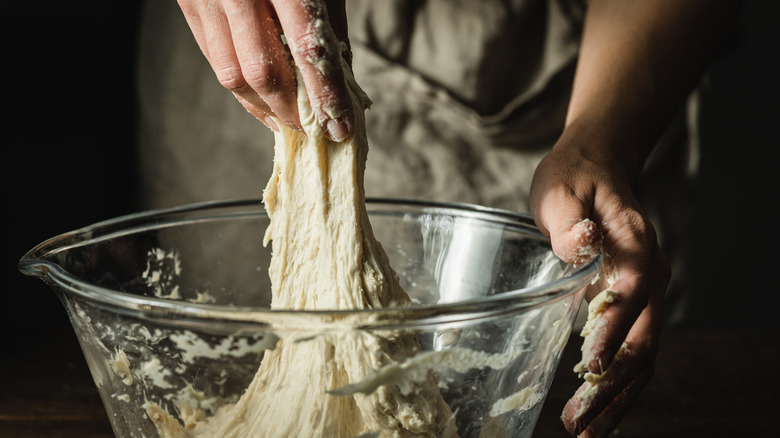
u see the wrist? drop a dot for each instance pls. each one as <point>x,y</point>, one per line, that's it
<point>607,142</point>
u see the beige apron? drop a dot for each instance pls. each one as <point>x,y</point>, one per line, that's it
<point>468,97</point>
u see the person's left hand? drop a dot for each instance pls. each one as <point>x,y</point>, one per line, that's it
<point>574,185</point>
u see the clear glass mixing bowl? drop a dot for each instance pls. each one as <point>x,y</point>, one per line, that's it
<point>171,308</point>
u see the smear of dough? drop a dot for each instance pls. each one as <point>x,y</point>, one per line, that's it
<point>325,256</point>
<point>121,366</point>
<point>524,399</point>
<point>593,329</point>
<point>593,333</point>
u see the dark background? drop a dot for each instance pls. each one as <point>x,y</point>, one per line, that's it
<point>68,134</point>
<point>68,159</point>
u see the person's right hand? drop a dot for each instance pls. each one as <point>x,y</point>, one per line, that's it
<point>242,40</point>
<point>583,197</point>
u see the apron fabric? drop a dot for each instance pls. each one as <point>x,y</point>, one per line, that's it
<point>468,97</point>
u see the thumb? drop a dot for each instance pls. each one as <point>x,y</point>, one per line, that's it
<point>575,238</point>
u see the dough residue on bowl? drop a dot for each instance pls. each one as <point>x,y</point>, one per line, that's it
<point>325,256</point>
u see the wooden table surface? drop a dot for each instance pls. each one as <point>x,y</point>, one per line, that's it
<point>712,383</point>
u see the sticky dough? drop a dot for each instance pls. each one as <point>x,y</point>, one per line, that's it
<point>325,256</point>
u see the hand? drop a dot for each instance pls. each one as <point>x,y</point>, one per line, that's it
<point>242,41</point>
<point>573,183</point>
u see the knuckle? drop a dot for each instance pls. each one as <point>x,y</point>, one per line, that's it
<point>317,44</point>
<point>641,352</point>
<point>309,47</point>
<point>261,77</point>
<point>231,78</point>
<point>645,235</point>
<point>641,228</point>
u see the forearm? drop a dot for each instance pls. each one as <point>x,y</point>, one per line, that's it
<point>638,61</point>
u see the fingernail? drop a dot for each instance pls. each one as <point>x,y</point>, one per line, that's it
<point>269,121</point>
<point>337,129</point>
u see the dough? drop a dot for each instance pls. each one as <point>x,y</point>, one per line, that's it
<point>325,256</point>
<point>593,334</point>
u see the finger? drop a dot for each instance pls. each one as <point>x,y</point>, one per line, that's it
<point>191,14</point>
<point>259,115</point>
<point>317,53</point>
<point>606,422</point>
<point>565,217</point>
<point>593,398</point>
<point>632,360</point>
<point>640,276</point>
<point>267,78</point>
<point>222,57</point>
<point>217,43</point>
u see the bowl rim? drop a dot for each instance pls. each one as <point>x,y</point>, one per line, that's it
<point>33,263</point>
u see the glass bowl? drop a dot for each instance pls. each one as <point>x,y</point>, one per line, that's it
<point>171,308</point>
